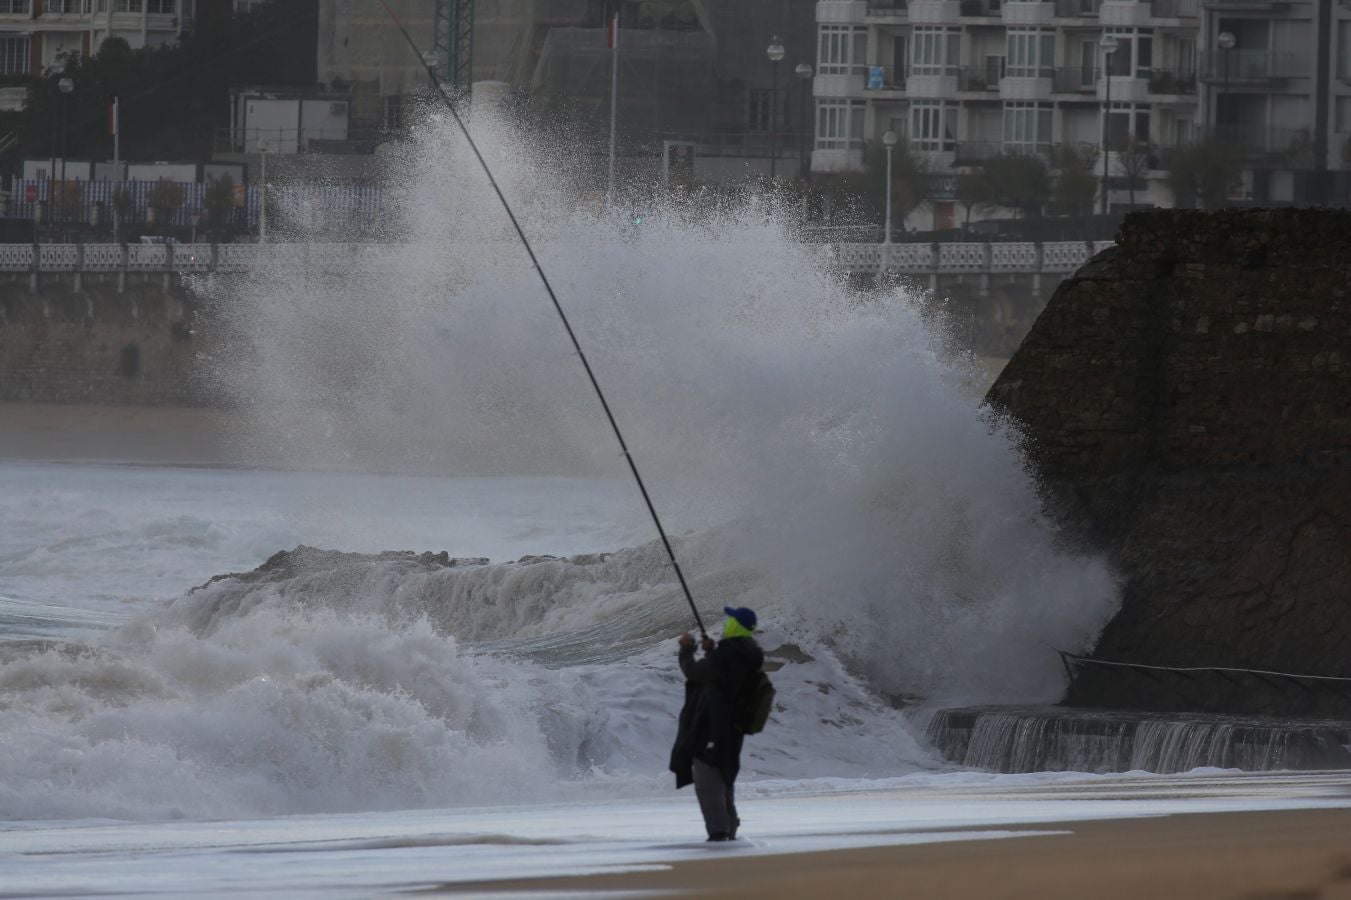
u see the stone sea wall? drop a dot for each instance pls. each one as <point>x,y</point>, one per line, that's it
<point>98,345</point>
<point>1186,398</point>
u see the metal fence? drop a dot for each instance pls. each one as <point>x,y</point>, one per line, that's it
<point>81,205</point>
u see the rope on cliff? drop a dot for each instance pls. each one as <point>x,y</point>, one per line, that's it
<point>558,307</point>
<point>1070,660</point>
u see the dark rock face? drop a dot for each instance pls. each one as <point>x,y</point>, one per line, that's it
<point>1187,400</point>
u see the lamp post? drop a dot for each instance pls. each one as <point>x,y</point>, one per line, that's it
<point>775,53</point>
<point>804,74</point>
<point>66,86</point>
<point>262,183</point>
<point>1226,42</point>
<point>888,141</point>
<point>1109,45</point>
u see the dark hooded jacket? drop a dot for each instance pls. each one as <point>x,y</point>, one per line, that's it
<point>707,730</point>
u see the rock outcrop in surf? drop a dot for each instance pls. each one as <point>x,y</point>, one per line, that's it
<point>1186,398</point>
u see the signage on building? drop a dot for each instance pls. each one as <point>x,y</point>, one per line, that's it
<point>875,77</point>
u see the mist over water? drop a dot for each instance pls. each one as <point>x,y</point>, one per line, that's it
<point>817,452</point>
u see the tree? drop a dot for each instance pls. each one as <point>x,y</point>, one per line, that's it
<point>1075,186</point>
<point>172,97</point>
<point>220,203</point>
<point>165,197</point>
<point>1204,173</point>
<point>1020,182</point>
<point>1134,159</point>
<point>910,182</point>
<point>973,189</point>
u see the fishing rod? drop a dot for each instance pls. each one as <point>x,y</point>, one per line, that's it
<point>558,307</point>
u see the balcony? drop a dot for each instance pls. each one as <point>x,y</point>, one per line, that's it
<point>837,155</point>
<point>935,12</point>
<point>1124,14</point>
<point>1280,147</point>
<point>980,8</point>
<point>1246,5</point>
<point>1027,83</point>
<point>1176,9</point>
<point>1027,12</point>
<point>1172,82</point>
<point>841,12</point>
<point>937,82</point>
<point>980,79</point>
<point>1077,9</point>
<point>1250,66</point>
<point>1075,80</point>
<point>884,83</point>
<point>840,82</point>
<point>888,12</point>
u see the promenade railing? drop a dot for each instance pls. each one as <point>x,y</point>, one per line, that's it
<point>1027,257</point>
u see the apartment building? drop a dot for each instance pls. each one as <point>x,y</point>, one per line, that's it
<point>961,80</point>
<point>35,33</point>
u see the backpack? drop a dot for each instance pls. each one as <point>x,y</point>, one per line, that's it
<point>754,704</point>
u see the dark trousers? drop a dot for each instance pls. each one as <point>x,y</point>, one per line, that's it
<point>715,800</point>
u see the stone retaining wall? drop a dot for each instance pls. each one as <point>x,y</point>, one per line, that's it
<point>98,345</point>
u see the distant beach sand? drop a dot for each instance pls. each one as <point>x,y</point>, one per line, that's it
<point>149,434</point>
<point>1287,855</point>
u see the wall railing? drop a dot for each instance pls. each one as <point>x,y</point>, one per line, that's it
<point>992,258</point>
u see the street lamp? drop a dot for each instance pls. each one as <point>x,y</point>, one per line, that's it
<point>804,74</point>
<point>1109,45</point>
<point>262,183</point>
<point>775,53</point>
<point>888,141</point>
<point>1226,42</point>
<point>66,86</point>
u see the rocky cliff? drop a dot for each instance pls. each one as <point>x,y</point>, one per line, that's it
<point>1187,400</point>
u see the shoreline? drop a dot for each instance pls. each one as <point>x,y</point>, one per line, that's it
<point>182,435</point>
<point>1298,854</point>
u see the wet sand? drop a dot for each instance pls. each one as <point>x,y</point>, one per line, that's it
<point>168,435</point>
<point>1294,855</point>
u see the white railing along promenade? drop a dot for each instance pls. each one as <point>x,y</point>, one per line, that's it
<point>991,258</point>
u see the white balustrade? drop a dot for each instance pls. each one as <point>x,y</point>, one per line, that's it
<point>955,258</point>
<point>102,257</point>
<point>1013,257</point>
<point>16,257</point>
<point>914,258</point>
<point>1064,256</point>
<point>57,257</point>
<point>147,257</point>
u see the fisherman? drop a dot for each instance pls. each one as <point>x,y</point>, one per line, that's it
<point>707,747</point>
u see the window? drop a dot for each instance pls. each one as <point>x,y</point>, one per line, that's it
<point>1134,54</point>
<point>757,109</point>
<point>843,48</point>
<point>16,7</point>
<point>57,7</point>
<point>1127,122</point>
<point>933,125</point>
<point>1027,126</point>
<point>1088,63</point>
<point>839,125</point>
<point>161,7</point>
<point>13,55</point>
<point>1031,53</point>
<point>937,51</point>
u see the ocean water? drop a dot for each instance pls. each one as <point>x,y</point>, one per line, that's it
<point>817,454</point>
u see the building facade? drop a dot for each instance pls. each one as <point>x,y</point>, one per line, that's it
<point>962,80</point>
<point>34,34</point>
